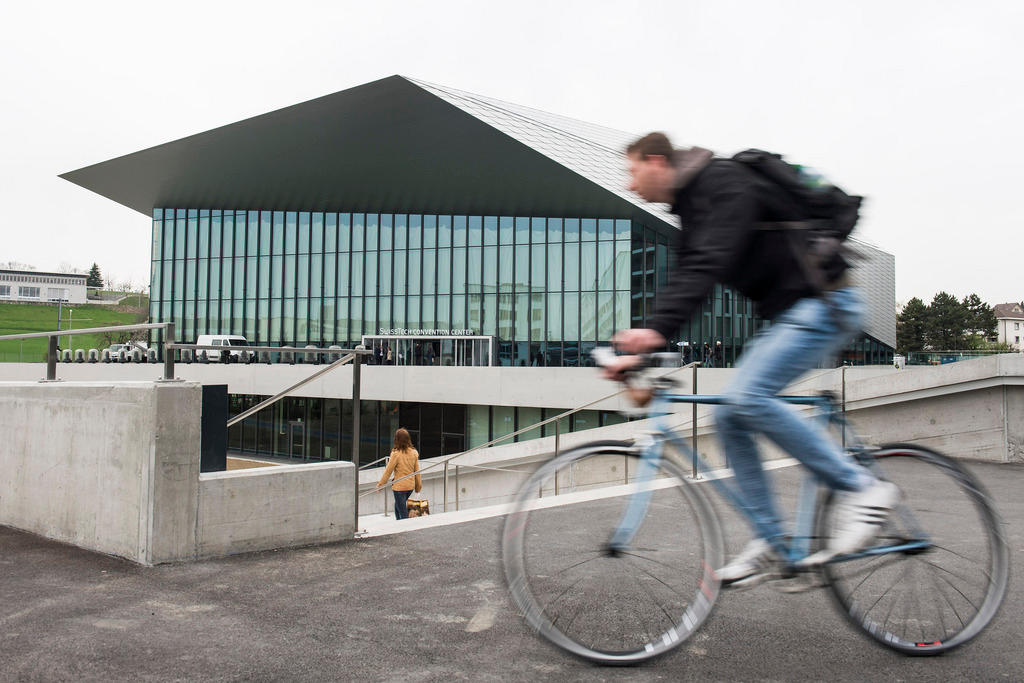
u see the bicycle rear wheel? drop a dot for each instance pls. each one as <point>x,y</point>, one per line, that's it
<point>611,606</point>
<point>926,601</point>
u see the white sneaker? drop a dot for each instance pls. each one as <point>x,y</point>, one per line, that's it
<point>859,517</point>
<point>755,563</point>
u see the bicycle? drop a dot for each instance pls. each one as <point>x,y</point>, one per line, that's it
<point>619,574</point>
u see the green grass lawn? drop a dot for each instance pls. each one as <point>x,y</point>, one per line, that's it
<point>21,318</point>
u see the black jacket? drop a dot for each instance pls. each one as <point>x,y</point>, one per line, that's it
<point>720,241</point>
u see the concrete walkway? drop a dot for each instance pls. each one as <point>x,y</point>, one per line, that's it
<point>425,605</point>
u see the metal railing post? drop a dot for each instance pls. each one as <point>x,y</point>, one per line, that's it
<point>51,359</point>
<point>444,506</point>
<point>693,437</point>
<point>169,351</point>
<point>558,431</point>
<point>456,488</point>
<point>843,404</point>
<point>356,376</point>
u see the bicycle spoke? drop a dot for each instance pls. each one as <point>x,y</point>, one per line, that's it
<point>952,573</point>
<point>950,584</point>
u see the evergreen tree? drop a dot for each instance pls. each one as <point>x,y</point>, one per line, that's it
<point>947,319</point>
<point>981,319</point>
<point>94,279</point>
<point>910,326</point>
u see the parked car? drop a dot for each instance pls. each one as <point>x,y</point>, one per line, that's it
<point>220,340</point>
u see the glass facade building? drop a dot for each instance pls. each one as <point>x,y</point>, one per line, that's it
<point>548,290</point>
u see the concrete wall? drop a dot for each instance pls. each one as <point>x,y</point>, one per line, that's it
<point>114,467</point>
<point>103,466</point>
<point>274,507</point>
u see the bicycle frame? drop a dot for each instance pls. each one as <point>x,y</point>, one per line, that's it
<point>799,545</point>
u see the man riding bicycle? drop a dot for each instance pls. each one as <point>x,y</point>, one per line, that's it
<point>720,204</point>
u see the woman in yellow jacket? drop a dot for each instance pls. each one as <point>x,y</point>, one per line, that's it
<point>404,460</point>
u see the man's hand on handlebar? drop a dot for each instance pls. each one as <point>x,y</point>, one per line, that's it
<point>638,340</point>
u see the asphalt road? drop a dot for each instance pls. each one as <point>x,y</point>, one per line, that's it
<point>426,605</point>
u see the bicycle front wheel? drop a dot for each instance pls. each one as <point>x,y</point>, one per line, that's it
<point>926,600</point>
<point>583,585</point>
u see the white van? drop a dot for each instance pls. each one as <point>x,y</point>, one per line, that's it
<point>220,340</point>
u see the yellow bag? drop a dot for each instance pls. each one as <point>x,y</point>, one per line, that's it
<point>418,508</point>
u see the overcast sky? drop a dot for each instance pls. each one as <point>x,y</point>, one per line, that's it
<point>917,105</point>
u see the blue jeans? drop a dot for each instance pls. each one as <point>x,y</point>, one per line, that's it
<point>401,506</point>
<point>811,331</point>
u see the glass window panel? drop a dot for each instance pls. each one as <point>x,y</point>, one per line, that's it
<point>522,317</point>
<point>304,231</point>
<point>275,277</point>
<point>344,232</point>
<point>622,311</point>
<point>429,232</point>
<point>588,316</point>
<point>250,277</point>
<point>476,312</point>
<point>370,272</point>
<point>571,313</point>
<point>588,229</point>
<point>622,229</point>
<point>357,273</point>
<point>554,230</point>
<point>527,417</point>
<point>538,230</point>
<point>302,276</point>
<point>536,317</point>
<point>429,271</point>
<point>491,269</point>
<point>505,263</point>
<point>506,316</point>
<point>444,312</point>
<point>372,241</point>
<point>264,279</point>
<point>414,271</point>
<point>622,265</point>
<point>478,425</point>
<point>485,228</point>
<point>444,231</point>
<point>265,233</point>
<point>386,232</point>
<point>606,229</point>
<point>316,272</point>
<point>473,273</point>
<point>444,271</point>
<point>330,273</point>
<point>192,237</point>
<point>588,267</point>
<point>384,273</point>
<point>554,283</point>
<point>505,229</point>
<point>277,232</point>
<point>330,233</point>
<point>605,316</point>
<point>215,230</point>
<point>554,314</point>
<point>503,422</point>
<point>383,314</point>
<point>458,312</point>
<point>190,280</point>
<point>522,266</point>
<point>355,319</point>
<point>358,231</point>
<point>401,231</point>
<point>289,276</point>
<point>226,278</point>
<point>571,229</point>
<point>291,231</point>
<point>398,312</point>
<point>458,270</point>
<point>263,317</point>
<point>399,286</point>
<point>204,236</point>
<point>302,322</point>
<point>316,237</point>
<point>605,266</point>
<point>490,326</point>
<point>415,232</point>
<point>571,267</point>
<point>344,273</point>
<point>522,230</point>
<point>251,231</point>
<point>427,311</point>
<point>228,239</point>
<point>413,312</point>
<point>459,231</point>
<point>238,289</point>
<point>341,329</point>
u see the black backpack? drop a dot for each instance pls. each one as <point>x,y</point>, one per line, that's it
<point>830,214</point>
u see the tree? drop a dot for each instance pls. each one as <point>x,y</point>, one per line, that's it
<point>910,326</point>
<point>981,320</point>
<point>95,279</point>
<point>947,319</point>
<point>15,265</point>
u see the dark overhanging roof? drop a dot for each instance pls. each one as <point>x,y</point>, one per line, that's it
<point>389,145</point>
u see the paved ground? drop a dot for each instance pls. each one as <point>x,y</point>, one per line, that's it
<point>423,605</point>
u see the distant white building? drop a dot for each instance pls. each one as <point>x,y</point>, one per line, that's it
<point>1009,324</point>
<point>33,286</point>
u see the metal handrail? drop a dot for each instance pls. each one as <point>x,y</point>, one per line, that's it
<point>51,353</point>
<point>448,459</point>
